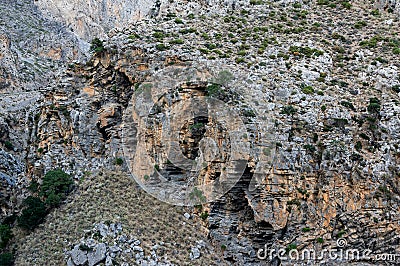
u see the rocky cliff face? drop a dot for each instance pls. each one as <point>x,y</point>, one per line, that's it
<point>316,86</point>
<point>33,51</point>
<point>33,47</point>
<point>90,19</point>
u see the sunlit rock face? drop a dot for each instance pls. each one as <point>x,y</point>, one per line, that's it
<point>390,5</point>
<point>92,18</point>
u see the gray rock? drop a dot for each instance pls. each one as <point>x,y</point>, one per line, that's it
<point>91,243</point>
<point>119,227</point>
<point>78,256</point>
<point>109,261</point>
<point>137,248</point>
<point>139,255</point>
<point>123,239</point>
<point>195,253</point>
<point>103,229</point>
<point>114,249</point>
<point>70,262</point>
<point>98,255</point>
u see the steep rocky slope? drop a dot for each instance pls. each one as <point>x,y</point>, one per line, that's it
<point>33,51</point>
<point>89,19</point>
<point>315,83</point>
<point>160,232</point>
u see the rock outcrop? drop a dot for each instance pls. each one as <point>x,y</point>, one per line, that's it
<point>317,89</point>
<point>90,19</point>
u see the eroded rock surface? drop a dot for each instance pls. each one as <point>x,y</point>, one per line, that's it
<point>327,76</point>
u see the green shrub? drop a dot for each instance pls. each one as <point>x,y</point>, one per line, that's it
<point>364,136</point>
<point>239,60</point>
<point>348,105</point>
<point>360,24</point>
<point>213,89</point>
<point>224,77</point>
<point>308,90</point>
<point>34,186</point>
<point>309,148</point>
<point>119,161</point>
<point>10,219</point>
<point>323,2</point>
<point>188,30</point>
<point>6,259</point>
<point>84,247</point>
<point>159,35</point>
<point>306,229</point>
<point>177,41</point>
<point>178,21</point>
<point>341,233</point>
<point>97,46</point>
<point>5,235</point>
<point>249,113</point>
<point>340,122</point>
<point>374,105</point>
<point>242,52</point>
<point>297,5</point>
<point>320,240</point>
<point>171,15</point>
<point>204,50</point>
<point>291,247</point>
<point>305,51</point>
<point>338,36</point>
<point>294,202</point>
<point>204,215</point>
<point>56,182</point>
<point>358,146</point>
<point>161,47</point>
<point>256,2</point>
<point>196,126</point>
<point>288,110</point>
<point>375,12</point>
<point>197,194</point>
<point>33,213</point>
<point>53,200</point>
<point>315,137</point>
<point>373,42</point>
<point>382,60</point>
<point>346,5</point>
<point>8,145</point>
<point>133,36</point>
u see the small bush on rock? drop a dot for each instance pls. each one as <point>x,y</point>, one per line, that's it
<point>5,235</point>
<point>97,46</point>
<point>56,183</point>
<point>33,213</point>
<point>6,259</point>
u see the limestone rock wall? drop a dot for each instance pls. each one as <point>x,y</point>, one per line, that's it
<point>90,19</point>
<point>329,83</point>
